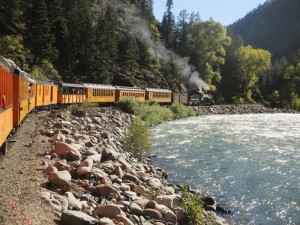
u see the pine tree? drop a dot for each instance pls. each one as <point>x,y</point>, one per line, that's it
<point>106,42</point>
<point>181,35</point>
<point>39,38</point>
<point>60,30</point>
<point>132,54</point>
<point>80,44</point>
<point>167,26</point>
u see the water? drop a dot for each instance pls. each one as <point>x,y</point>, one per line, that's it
<point>251,162</point>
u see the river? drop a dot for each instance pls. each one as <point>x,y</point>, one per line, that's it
<point>251,162</point>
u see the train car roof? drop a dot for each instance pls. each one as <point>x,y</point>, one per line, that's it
<point>45,82</point>
<point>99,86</point>
<point>129,88</point>
<point>158,90</point>
<point>72,85</point>
<point>5,64</point>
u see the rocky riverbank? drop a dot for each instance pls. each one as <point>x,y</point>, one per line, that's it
<point>238,109</point>
<point>92,180</point>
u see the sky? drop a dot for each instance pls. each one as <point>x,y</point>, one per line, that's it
<point>224,11</point>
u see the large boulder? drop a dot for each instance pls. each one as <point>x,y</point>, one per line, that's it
<point>66,151</point>
<point>71,217</point>
<point>152,213</point>
<point>170,201</point>
<point>110,211</point>
<point>60,178</point>
<point>105,190</point>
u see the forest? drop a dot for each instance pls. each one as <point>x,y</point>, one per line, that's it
<point>120,42</point>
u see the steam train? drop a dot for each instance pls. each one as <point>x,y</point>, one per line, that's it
<point>20,94</point>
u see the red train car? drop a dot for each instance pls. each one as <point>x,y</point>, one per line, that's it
<point>6,108</point>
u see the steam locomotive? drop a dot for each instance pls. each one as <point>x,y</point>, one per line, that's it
<point>20,94</point>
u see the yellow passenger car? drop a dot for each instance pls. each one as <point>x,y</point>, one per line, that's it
<point>130,92</point>
<point>31,94</point>
<point>158,95</point>
<point>100,93</point>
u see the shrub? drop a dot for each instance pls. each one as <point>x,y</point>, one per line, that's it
<point>129,105</point>
<point>181,111</point>
<point>193,206</point>
<point>137,139</point>
<point>154,114</point>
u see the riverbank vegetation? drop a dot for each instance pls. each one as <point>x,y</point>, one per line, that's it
<point>152,113</point>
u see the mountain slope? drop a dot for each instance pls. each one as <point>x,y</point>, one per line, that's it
<point>274,26</point>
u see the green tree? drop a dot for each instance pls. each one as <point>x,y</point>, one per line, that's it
<point>80,44</point>
<point>11,46</point>
<point>39,38</point>
<point>253,65</point>
<point>132,55</point>
<point>60,30</point>
<point>290,91</point>
<point>168,26</point>
<point>207,42</point>
<point>181,33</point>
<point>137,139</point>
<point>106,41</point>
<point>230,84</point>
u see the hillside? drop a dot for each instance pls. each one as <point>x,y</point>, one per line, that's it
<point>274,26</point>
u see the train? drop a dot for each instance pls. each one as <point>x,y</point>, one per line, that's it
<point>20,94</point>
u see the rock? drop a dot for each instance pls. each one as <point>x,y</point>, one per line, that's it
<point>96,158</point>
<point>124,219</point>
<point>124,163</point>
<point>73,203</point>
<point>154,183</point>
<point>170,217</point>
<point>209,200</point>
<point>59,137</point>
<point>135,209</point>
<point>119,172</point>
<point>60,178</point>
<point>63,201</point>
<point>104,190</point>
<point>50,169</point>
<point>132,178</point>
<point>170,201</point>
<point>54,204</point>
<point>109,154</point>
<point>223,208</point>
<point>45,195</point>
<point>152,213</point>
<point>85,167</point>
<point>66,151</point>
<point>77,218</point>
<point>106,221</point>
<point>110,211</point>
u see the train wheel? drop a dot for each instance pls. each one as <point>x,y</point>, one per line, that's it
<point>4,148</point>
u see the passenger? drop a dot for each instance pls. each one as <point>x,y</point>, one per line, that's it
<point>3,104</point>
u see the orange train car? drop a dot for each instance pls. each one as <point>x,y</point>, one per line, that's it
<point>71,93</point>
<point>100,93</point>
<point>46,93</point>
<point>130,92</point>
<point>6,107</point>
<point>158,95</point>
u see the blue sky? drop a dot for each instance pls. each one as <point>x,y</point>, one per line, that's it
<point>224,11</point>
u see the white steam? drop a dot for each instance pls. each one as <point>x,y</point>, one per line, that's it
<point>139,29</point>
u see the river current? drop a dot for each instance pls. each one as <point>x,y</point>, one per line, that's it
<point>251,162</point>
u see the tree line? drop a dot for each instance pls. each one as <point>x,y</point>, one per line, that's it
<point>120,42</point>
